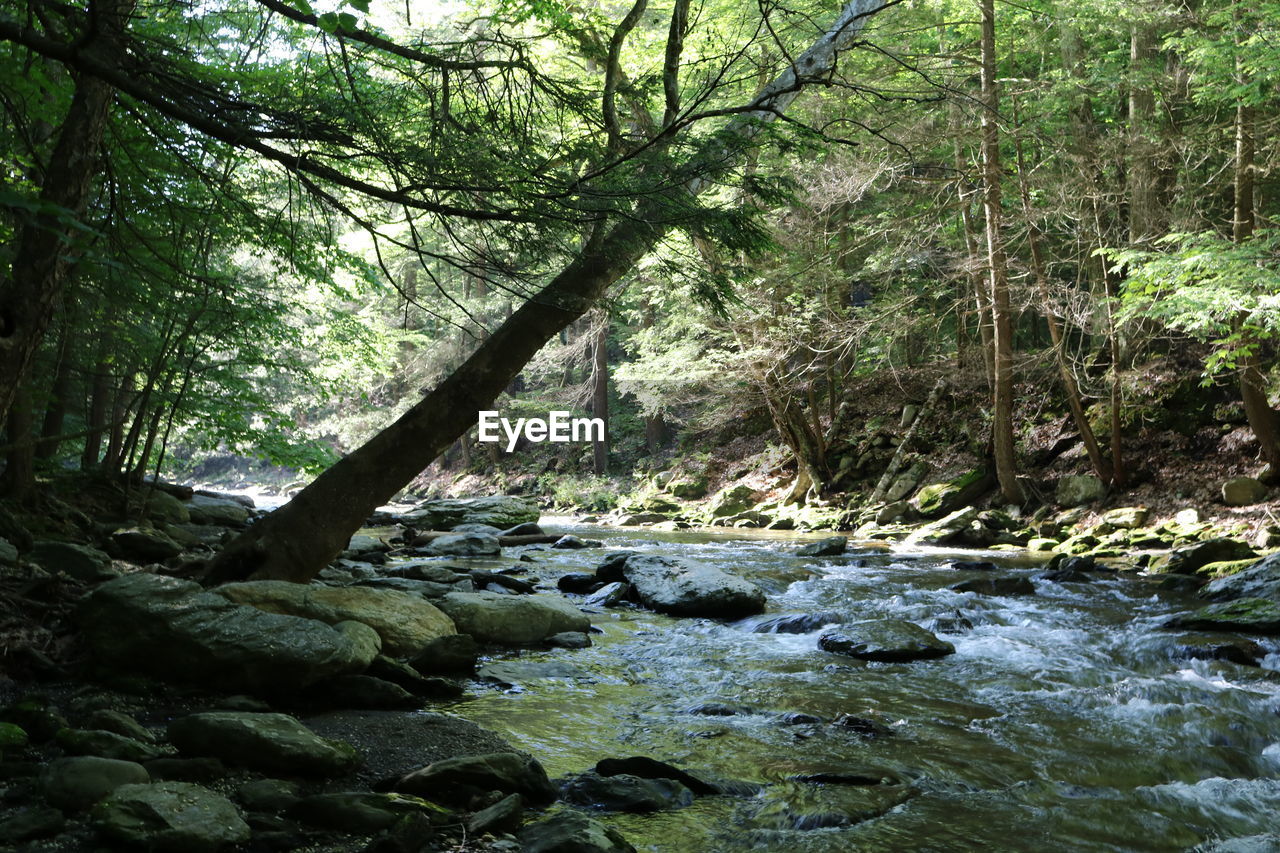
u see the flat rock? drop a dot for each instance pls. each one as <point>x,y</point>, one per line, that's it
<point>1247,615</point>
<point>886,640</point>
<point>684,589</point>
<point>512,619</point>
<point>173,629</point>
<point>170,816</point>
<point>500,511</point>
<point>502,817</point>
<point>262,741</point>
<point>221,511</point>
<point>81,562</point>
<point>832,546</point>
<point>463,545</point>
<point>406,622</point>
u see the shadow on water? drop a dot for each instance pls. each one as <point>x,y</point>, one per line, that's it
<point>1064,721</point>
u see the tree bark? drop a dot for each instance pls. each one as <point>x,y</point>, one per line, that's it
<point>1001,321</point>
<point>29,296</point>
<point>296,541</point>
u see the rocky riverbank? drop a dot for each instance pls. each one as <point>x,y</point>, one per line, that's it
<point>143,711</point>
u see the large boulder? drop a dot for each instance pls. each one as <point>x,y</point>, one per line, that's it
<point>272,743</point>
<point>144,545</point>
<point>81,562</point>
<point>1261,580</point>
<point>938,499</point>
<point>512,619</point>
<point>832,546</point>
<point>170,816</point>
<point>731,500</point>
<point>407,623</point>
<point>945,529</point>
<point>1247,615</point>
<point>625,793</point>
<point>685,589</point>
<point>458,779</point>
<point>886,640</point>
<point>1190,559</point>
<point>224,512</point>
<point>1243,491</point>
<point>1079,490</point>
<point>500,511</point>
<point>464,545</point>
<point>173,629</point>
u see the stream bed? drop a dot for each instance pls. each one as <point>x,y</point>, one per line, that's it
<point>1066,720</point>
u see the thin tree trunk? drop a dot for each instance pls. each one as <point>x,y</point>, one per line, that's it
<point>99,392</point>
<point>1001,321</point>
<point>55,412</point>
<point>600,396</point>
<point>19,470</point>
<point>29,296</point>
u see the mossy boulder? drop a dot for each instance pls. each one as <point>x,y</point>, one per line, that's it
<point>939,499</point>
<point>689,488</point>
<point>270,742</point>
<point>1191,558</point>
<point>500,511</point>
<point>1247,615</point>
<point>170,816</point>
<point>731,500</point>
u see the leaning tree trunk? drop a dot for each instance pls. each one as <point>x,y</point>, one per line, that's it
<point>296,541</point>
<point>29,296</point>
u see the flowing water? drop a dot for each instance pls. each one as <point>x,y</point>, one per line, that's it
<point>1064,721</point>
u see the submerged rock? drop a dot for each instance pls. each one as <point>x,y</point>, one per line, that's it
<point>886,640</point>
<point>832,546</point>
<point>625,793</point>
<point>262,741</point>
<point>464,545</point>
<point>512,619</point>
<point>683,589</point>
<point>171,816</point>
<point>406,622</point>
<point>996,586</point>
<point>572,832</point>
<point>795,623</point>
<point>457,780</point>
<point>173,629</point>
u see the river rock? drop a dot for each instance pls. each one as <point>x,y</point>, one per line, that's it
<point>731,500</point>
<point>220,511</point>
<point>996,586</point>
<point>1247,615</point>
<point>481,529</point>
<point>795,623</point>
<point>106,745</point>
<point>1079,490</point>
<point>572,832</point>
<point>569,542</point>
<point>689,489</point>
<point>609,595</point>
<point>500,511</point>
<point>144,545</point>
<point>268,742</point>
<point>173,629</point>
<point>639,518</point>
<point>579,583</point>
<point>887,640</point>
<point>1192,558</point>
<point>165,508</point>
<point>170,816</point>
<point>109,720</point>
<point>625,793</point>
<point>363,812</point>
<point>1243,652</point>
<point>944,529</point>
<point>940,499</point>
<point>31,823</point>
<point>457,780</point>
<point>650,768</point>
<point>833,546</point>
<point>529,528</point>
<point>463,545</point>
<point>405,622</point>
<point>78,782</point>
<point>684,589</point>
<point>448,655</point>
<point>512,619</point>
<point>504,816</point>
<point>81,562</point>
<point>1243,491</point>
<point>1261,580</point>
<point>1126,517</point>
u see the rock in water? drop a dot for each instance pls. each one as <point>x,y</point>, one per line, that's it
<point>173,629</point>
<point>406,623</point>
<point>464,545</point>
<point>500,511</point>
<point>683,589</point>
<point>887,640</point>
<point>170,816</point>
<point>572,832</point>
<point>944,529</point>
<point>457,780</point>
<point>262,741</point>
<point>1188,560</point>
<point>512,619</point>
<point>1248,615</point>
<point>997,586</point>
<point>625,793</point>
<point>833,546</point>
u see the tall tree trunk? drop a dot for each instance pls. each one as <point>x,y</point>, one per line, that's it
<point>1001,320</point>
<point>96,416</point>
<point>19,470</point>
<point>55,412</point>
<point>600,395</point>
<point>29,296</point>
<point>1253,384</point>
<point>1140,170</point>
<point>296,541</point>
